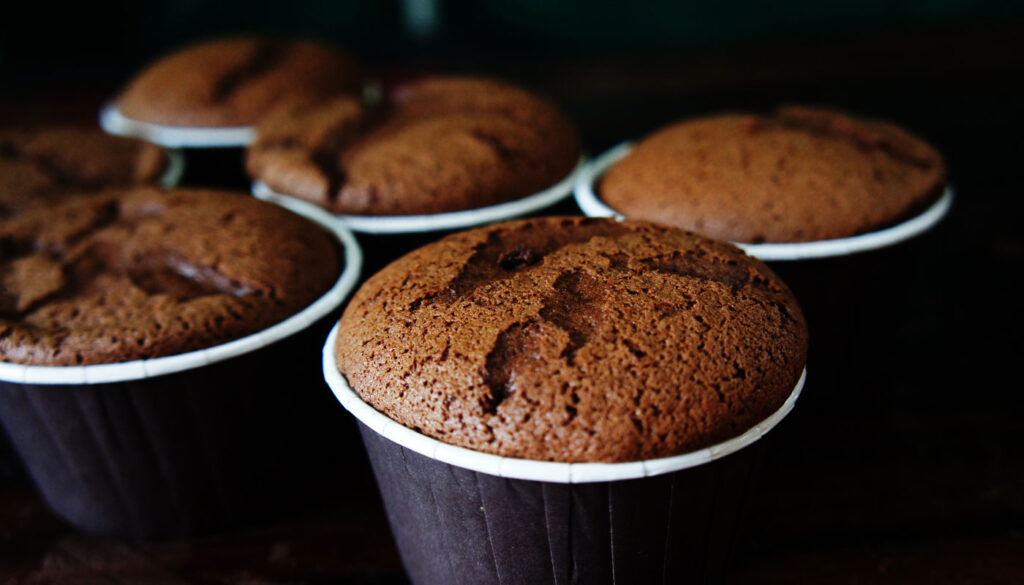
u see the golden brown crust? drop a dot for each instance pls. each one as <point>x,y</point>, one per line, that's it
<point>803,174</point>
<point>574,339</point>
<point>233,82</point>
<point>145,272</point>
<point>440,144</point>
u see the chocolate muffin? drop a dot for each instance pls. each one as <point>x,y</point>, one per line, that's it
<point>435,145</point>
<point>43,164</point>
<point>142,273</point>
<point>232,82</point>
<point>802,174</point>
<point>574,340</point>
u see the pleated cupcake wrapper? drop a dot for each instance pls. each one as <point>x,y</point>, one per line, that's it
<point>460,516</point>
<point>592,205</point>
<point>184,444</point>
<point>452,220</point>
<point>114,122</point>
<point>188,453</point>
<point>458,526</point>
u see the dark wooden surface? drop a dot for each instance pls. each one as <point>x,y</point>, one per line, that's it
<point>903,461</point>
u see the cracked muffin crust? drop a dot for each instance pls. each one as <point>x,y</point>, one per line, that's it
<point>438,144</point>
<point>38,166</point>
<point>232,82</point>
<point>574,339</point>
<point>144,272</point>
<point>803,174</point>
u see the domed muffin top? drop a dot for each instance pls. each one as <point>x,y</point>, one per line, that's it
<point>802,174</point>
<point>233,82</point>
<point>435,145</point>
<point>143,273</point>
<point>574,340</point>
<point>39,165</point>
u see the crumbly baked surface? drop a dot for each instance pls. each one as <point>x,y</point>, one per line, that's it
<point>574,339</point>
<point>143,272</point>
<point>438,144</point>
<point>803,174</point>
<point>233,82</point>
<point>40,165</point>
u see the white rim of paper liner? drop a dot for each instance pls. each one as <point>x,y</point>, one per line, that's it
<point>527,469</point>
<point>114,122</point>
<point>592,206</point>
<point>159,366</point>
<point>175,168</point>
<point>408,224</point>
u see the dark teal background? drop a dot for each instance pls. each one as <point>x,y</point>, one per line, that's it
<point>107,39</point>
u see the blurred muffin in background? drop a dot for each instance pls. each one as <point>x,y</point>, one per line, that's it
<point>233,82</point>
<point>43,164</point>
<point>434,145</point>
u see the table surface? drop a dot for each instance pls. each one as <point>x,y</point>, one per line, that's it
<point>902,463</point>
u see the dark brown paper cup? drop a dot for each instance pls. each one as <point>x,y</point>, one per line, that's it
<point>460,516</point>
<point>183,444</point>
<point>592,205</point>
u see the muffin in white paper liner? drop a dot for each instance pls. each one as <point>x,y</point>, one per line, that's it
<point>450,220</point>
<point>592,205</point>
<point>183,444</point>
<point>461,516</point>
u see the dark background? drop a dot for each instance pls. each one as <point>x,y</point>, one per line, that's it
<point>903,462</point>
<point>105,41</point>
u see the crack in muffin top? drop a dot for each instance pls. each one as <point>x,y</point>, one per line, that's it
<point>574,340</point>
<point>435,145</point>
<point>144,273</point>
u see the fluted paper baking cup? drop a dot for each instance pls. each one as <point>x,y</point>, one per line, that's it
<point>463,517</point>
<point>546,471</point>
<point>592,205</point>
<point>114,122</point>
<point>451,220</point>
<point>457,526</point>
<point>184,444</point>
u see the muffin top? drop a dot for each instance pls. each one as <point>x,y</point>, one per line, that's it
<point>232,82</point>
<point>38,166</point>
<point>144,272</point>
<point>802,174</point>
<point>574,340</point>
<point>434,145</point>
